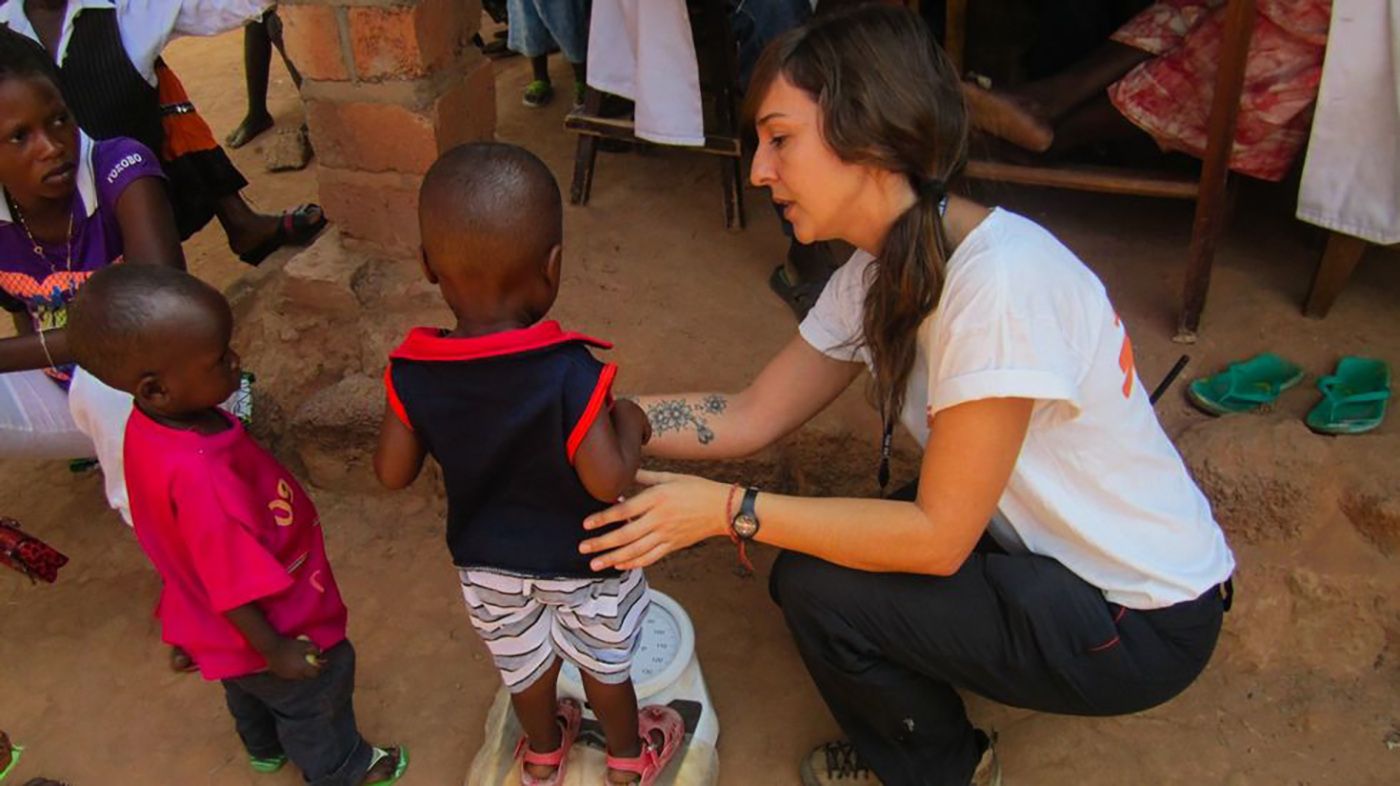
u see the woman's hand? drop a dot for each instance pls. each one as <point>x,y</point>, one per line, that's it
<point>675,512</point>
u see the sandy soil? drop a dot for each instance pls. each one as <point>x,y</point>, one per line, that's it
<point>1304,689</point>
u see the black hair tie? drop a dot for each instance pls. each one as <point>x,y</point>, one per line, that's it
<point>931,189</point>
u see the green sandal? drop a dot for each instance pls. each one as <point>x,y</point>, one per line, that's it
<point>537,94</point>
<point>1245,386</point>
<point>1353,399</point>
<point>15,751</point>
<point>267,765</point>
<point>378,755</point>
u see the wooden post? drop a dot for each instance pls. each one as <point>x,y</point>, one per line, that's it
<point>1215,168</point>
<point>955,33</point>
<point>1338,261</point>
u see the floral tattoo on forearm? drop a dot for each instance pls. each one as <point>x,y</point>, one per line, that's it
<point>679,415</point>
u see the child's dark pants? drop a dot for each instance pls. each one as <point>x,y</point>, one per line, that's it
<point>886,650</point>
<point>311,721</point>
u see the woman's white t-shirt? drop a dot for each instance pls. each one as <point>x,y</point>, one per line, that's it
<point>1097,486</point>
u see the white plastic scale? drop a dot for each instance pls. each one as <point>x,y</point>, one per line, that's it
<point>664,671</point>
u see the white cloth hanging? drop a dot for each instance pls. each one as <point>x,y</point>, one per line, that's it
<point>643,50</point>
<point>1351,175</point>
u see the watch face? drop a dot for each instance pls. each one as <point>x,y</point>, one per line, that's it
<point>745,526</point>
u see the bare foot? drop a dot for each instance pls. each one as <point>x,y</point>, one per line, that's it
<point>1008,117</point>
<point>251,126</point>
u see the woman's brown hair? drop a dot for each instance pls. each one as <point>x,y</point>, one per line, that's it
<point>888,98</point>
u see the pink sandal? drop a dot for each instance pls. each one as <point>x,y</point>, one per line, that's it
<point>653,759</point>
<point>570,717</point>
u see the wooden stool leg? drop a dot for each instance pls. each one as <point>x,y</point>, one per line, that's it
<point>955,33</point>
<point>1215,166</point>
<point>1338,261</point>
<point>586,154</point>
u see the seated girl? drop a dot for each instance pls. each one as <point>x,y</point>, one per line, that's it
<point>71,206</point>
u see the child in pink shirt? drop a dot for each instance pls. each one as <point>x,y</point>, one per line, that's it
<point>248,592</point>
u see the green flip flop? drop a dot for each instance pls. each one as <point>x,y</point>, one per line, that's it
<point>267,765</point>
<point>537,94</point>
<point>399,769</point>
<point>1245,386</point>
<point>1353,399</point>
<point>15,751</point>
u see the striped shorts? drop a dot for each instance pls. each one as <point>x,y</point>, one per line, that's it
<point>528,622</point>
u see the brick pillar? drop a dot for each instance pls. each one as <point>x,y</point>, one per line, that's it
<point>388,84</point>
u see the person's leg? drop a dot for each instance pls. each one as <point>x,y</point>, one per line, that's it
<point>540,91</point>
<point>1093,122</point>
<point>257,57</point>
<point>615,704</point>
<point>598,624</point>
<point>887,650</point>
<point>204,181</point>
<point>536,707</point>
<point>1028,115</point>
<point>249,231</point>
<point>567,24</point>
<point>527,35</point>
<point>316,722</point>
<point>254,722</point>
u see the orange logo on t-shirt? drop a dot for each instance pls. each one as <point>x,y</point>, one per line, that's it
<point>1125,359</point>
<point>282,508</point>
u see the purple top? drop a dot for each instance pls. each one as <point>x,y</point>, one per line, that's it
<point>43,285</point>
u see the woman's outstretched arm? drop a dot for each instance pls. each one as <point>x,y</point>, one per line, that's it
<point>796,384</point>
<point>967,463</point>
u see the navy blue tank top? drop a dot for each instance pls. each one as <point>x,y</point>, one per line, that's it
<point>503,415</point>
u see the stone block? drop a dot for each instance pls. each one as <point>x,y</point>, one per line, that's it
<point>407,41</point>
<point>320,279</point>
<point>287,150</point>
<point>372,137</point>
<point>466,111</point>
<point>312,37</point>
<point>334,433</point>
<point>380,209</point>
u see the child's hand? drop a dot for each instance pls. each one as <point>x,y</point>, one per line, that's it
<point>629,418</point>
<point>296,659</point>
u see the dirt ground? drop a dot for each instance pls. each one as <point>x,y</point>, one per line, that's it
<point>1305,685</point>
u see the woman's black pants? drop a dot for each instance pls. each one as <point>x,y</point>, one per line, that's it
<point>886,650</point>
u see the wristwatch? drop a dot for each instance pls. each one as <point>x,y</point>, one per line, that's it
<point>745,523</point>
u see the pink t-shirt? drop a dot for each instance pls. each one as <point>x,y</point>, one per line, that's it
<point>225,525</point>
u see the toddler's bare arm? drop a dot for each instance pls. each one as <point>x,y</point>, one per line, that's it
<point>611,451</point>
<point>399,456</point>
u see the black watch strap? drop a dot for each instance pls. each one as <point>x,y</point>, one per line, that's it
<point>747,509</point>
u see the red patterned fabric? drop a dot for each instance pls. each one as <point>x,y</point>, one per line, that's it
<point>27,554</point>
<point>1169,96</point>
